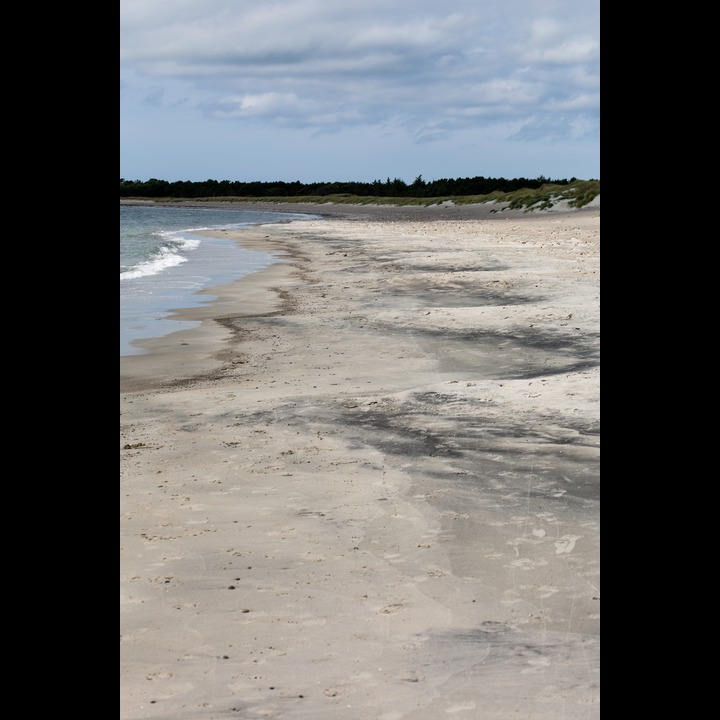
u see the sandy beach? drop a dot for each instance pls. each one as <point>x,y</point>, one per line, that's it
<point>367,486</point>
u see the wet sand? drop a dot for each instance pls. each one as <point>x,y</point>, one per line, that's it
<point>367,486</point>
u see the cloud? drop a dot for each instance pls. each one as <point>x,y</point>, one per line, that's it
<point>262,105</point>
<point>426,67</point>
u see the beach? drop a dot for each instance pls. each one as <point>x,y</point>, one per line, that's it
<point>367,485</point>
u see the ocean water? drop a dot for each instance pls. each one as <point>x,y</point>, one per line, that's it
<point>164,263</point>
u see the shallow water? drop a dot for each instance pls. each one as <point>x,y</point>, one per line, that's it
<point>164,263</point>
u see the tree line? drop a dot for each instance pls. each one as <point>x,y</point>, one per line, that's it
<point>155,188</point>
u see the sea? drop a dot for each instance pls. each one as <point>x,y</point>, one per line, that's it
<point>164,263</point>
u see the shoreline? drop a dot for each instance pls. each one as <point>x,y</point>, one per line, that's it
<point>368,484</point>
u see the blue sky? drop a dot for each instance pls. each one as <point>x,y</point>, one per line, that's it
<point>332,90</point>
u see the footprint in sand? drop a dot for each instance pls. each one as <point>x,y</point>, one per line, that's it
<point>566,544</point>
<point>396,607</point>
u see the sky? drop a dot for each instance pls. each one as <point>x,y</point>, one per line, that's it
<point>333,90</point>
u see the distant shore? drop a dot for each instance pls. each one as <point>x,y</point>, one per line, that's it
<point>367,486</point>
<point>383,213</point>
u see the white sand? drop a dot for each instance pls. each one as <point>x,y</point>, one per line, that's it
<point>368,485</point>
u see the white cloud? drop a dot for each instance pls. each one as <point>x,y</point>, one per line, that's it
<point>574,51</point>
<point>583,101</point>
<point>270,103</point>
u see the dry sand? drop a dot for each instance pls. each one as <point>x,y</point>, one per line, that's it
<point>367,487</point>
